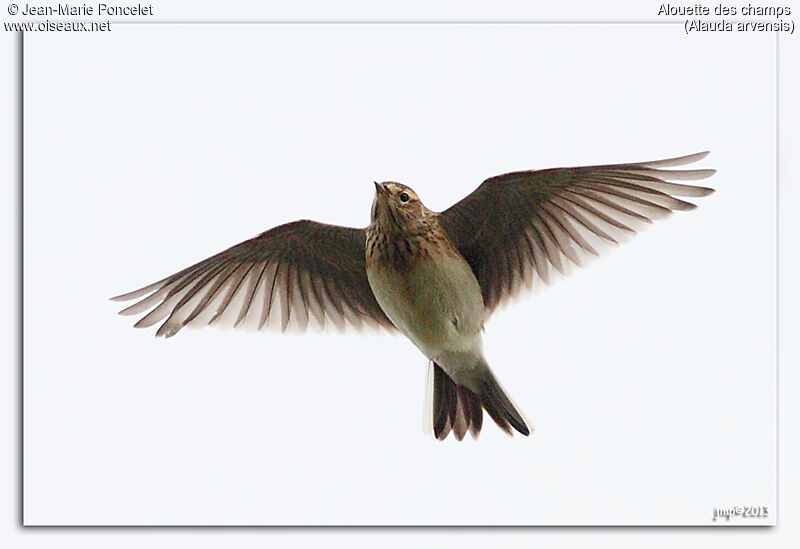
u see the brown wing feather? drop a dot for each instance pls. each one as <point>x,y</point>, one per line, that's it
<point>295,274</point>
<point>523,224</point>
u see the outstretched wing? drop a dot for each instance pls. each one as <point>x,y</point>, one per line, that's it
<point>518,226</point>
<point>289,276</point>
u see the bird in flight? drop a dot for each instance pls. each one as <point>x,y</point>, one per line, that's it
<point>435,277</point>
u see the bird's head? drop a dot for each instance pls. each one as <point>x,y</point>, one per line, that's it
<point>397,206</point>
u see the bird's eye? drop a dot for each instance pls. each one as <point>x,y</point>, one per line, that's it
<point>404,197</point>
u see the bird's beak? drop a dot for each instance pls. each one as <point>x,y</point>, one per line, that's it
<point>380,188</point>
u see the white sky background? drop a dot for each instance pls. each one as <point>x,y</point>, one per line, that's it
<point>649,376</point>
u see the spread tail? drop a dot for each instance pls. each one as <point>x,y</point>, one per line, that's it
<point>456,408</point>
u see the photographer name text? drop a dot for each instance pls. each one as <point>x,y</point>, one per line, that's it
<point>102,10</point>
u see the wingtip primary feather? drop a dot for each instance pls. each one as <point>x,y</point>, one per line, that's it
<point>705,191</point>
<point>137,293</point>
<point>676,160</point>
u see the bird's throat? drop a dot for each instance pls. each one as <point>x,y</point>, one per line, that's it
<point>388,247</point>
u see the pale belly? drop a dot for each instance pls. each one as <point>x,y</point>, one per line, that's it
<point>438,306</point>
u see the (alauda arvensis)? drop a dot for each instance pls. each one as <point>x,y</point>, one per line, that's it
<point>435,277</point>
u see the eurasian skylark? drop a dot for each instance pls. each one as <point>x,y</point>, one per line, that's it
<point>435,277</point>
